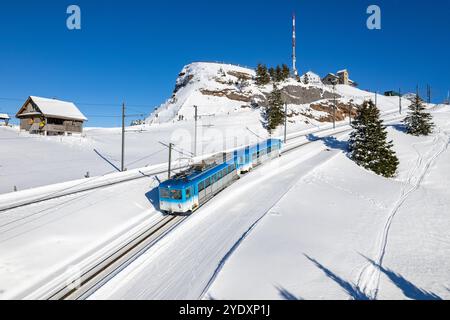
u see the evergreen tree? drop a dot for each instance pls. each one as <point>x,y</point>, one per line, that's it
<point>418,122</point>
<point>273,114</point>
<point>278,74</point>
<point>262,75</point>
<point>286,72</point>
<point>272,74</point>
<point>369,147</point>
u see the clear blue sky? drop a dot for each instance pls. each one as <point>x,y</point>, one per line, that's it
<point>133,50</point>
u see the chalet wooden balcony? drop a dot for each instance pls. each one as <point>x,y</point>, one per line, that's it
<point>62,128</point>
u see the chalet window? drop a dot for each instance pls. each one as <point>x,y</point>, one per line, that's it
<point>55,121</point>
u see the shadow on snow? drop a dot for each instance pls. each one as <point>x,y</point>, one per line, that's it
<point>286,295</point>
<point>399,127</point>
<point>107,160</point>
<point>330,142</point>
<point>408,288</point>
<point>350,288</point>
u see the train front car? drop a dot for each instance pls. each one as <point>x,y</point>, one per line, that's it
<point>175,196</point>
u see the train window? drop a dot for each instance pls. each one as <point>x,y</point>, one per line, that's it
<point>201,186</point>
<point>164,193</point>
<point>175,194</point>
<point>188,193</point>
<point>207,182</point>
<point>269,150</point>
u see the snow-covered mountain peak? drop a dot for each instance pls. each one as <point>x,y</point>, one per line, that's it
<point>222,89</point>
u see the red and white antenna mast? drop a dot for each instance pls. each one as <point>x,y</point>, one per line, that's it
<point>294,45</point>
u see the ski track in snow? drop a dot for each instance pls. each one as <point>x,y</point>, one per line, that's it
<point>369,277</point>
<point>252,227</point>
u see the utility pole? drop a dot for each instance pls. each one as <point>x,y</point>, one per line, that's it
<point>195,134</point>
<point>429,93</point>
<point>123,138</point>
<point>376,98</point>
<point>285,123</point>
<point>349,114</point>
<point>170,159</point>
<point>294,45</point>
<point>334,107</point>
<point>400,100</point>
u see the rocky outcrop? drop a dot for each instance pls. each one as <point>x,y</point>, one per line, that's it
<point>304,95</point>
<point>229,93</point>
<point>182,81</point>
<point>342,110</point>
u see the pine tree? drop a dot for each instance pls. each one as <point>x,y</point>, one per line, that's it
<point>369,147</point>
<point>278,74</point>
<point>272,74</point>
<point>418,122</point>
<point>285,71</point>
<point>262,75</point>
<point>273,114</point>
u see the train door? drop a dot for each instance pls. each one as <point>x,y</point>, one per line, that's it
<point>201,193</point>
<point>189,197</point>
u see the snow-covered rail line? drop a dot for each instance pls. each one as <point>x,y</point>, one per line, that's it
<point>87,281</point>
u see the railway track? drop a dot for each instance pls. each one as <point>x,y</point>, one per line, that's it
<point>82,284</point>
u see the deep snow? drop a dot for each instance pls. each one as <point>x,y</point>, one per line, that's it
<point>306,226</point>
<point>310,226</point>
<point>344,233</point>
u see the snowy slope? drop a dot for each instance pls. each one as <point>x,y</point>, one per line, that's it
<point>311,226</point>
<point>369,238</point>
<point>307,213</point>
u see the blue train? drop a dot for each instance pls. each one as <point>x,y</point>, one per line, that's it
<point>189,190</point>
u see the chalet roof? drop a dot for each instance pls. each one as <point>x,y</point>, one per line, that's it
<point>342,71</point>
<point>4,116</point>
<point>56,108</point>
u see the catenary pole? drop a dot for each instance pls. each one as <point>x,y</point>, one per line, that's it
<point>195,134</point>
<point>285,123</point>
<point>170,160</point>
<point>123,138</point>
